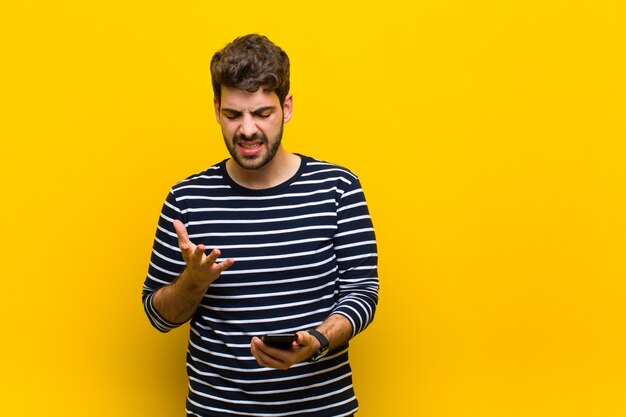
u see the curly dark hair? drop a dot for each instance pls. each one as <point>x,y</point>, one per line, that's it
<point>248,63</point>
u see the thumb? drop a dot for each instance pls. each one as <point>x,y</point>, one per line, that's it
<point>302,338</point>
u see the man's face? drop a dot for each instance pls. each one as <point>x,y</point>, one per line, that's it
<point>252,124</point>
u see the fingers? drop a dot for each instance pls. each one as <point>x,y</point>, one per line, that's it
<point>225,264</point>
<point>183,239</point>
<point>215,253</point>
<point>194,255</point>
<point>197,255</point>
<point>208,263</point>
<point>222,266</point>
<point>263,356</point>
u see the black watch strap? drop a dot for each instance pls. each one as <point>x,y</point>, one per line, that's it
<point>323,350</point>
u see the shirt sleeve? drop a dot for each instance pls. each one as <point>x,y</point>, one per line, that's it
<point>357,259</point>
<point>166,262</point>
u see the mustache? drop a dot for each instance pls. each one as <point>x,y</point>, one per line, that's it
<point>256,136</point>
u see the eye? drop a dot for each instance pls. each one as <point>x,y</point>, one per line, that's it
<point>231,116</point>
<point>264,115</point>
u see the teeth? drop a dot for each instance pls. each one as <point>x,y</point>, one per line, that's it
<point>250,145</point>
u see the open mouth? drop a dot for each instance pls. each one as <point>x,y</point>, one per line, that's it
<point>250,147</point>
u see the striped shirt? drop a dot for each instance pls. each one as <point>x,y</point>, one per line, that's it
<point>303,250</point>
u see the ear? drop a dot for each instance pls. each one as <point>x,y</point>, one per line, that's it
<point>287,108</point>
<point>216,106</point>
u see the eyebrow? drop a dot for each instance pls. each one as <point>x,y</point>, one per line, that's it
<point>255,111</point>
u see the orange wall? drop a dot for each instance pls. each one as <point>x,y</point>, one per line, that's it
<point>489,136</point>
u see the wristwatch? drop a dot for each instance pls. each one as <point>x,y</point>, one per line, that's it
<point>323,350</point>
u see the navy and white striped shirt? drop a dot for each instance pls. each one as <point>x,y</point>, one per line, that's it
<point>303,250</point>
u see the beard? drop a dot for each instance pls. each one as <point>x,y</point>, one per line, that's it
<point>254,161</point>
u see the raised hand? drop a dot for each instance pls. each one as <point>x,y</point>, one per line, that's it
<point>202,269</point>
<point>178,302</point>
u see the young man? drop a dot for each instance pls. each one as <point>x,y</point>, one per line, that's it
<point>264,242</point>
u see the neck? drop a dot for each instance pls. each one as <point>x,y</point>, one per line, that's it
<point>283,166</point>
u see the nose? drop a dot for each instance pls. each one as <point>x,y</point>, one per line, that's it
<point>248,127</point>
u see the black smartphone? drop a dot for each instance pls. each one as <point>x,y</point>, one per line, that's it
<point>282,341</point>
